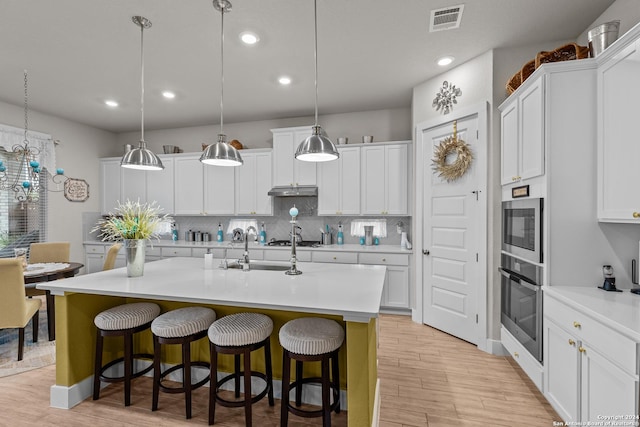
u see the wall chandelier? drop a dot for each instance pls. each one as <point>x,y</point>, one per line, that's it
<point>24,175</point>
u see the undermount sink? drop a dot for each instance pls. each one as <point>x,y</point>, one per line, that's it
<point>258,266</point>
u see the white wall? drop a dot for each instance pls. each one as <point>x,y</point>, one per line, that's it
<point>384,125</point>
<point>78,152</point>
<point>626,11</point>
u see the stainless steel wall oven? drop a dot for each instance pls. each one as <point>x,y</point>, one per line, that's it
<point>522,228</point>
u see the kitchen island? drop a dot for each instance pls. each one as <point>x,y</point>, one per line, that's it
<point>349,294</point>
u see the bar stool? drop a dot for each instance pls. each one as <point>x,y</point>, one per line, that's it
<point>122,320</point>
<point>240,334</point>
<point>181,326</point>
<point>311,339</point>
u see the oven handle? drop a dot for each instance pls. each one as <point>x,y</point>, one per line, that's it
<point>521,280</point>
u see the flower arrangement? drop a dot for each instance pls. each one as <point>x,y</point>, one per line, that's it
<point>132,220</point>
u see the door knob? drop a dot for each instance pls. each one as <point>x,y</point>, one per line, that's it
<point>425,251</point>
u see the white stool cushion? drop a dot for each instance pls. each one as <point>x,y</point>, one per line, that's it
<point>240,329</point>
<point>311,336</point>
<point>183,322</point>
<point>126,316</point>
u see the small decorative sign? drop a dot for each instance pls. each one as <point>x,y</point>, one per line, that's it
<point>522,191</point>
<point>76,190</point>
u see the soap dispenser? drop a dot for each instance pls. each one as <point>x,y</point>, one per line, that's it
<point>340,235</point>
<point>220,235</point>
<point>263,235</point>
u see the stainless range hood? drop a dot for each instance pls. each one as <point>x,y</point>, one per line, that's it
<point>297,191</point>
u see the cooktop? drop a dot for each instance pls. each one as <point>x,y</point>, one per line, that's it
<point>307,243</point>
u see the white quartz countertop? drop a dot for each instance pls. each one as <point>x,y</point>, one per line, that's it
<point>618,310</point>
<point>256,246</point>
<point>352,291</point>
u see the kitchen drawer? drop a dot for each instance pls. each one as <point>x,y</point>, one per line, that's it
<point>94,249</point>
<point>527,362</point>
<point>152,251</point>
<point>339,257</point>
<point>169,252</point>
<point>383,259</point>
<point>280,255</point>
<point>615,346</point>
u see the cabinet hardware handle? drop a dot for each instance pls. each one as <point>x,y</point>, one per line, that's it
<point>636,214</point>
<point>334,257</point>
<point>577,325</point>
<point>426,251</point>
<point>384,260</point>
<point>571,342</point>
<point>515,354</point>
<point>581,349</point>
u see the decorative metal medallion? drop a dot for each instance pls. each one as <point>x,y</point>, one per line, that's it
<point>76,190</point>
<point>446,97</point>
<point>452,170</point>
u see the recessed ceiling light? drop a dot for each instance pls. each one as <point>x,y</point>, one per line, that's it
<point>249,38</point>
<point>284,80</point>
<point>111,103</point>
<point>445,60</point>
<point>168,94</point>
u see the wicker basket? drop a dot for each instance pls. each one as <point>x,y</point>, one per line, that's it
<point>519,77</point>
<point>567,52</point>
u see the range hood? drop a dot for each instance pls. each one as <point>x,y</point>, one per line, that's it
<point>294,191</point>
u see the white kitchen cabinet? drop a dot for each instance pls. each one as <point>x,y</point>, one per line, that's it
<point>339,184</point>
<point>111,181</point>
<point>522,134</point>
<point>159,186</point>
<point>189,185</point>
<point>385,178</point>
<point>286,169</point>
<point>94,256</point>
<point>133,185</point>
<point>591,370</point>
<point>253,182</point>
<point>395,294</point>
<point>618,150</point>
<point>220,189</point>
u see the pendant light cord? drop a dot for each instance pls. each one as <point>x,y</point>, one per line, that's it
<point>315,53</point>
<point>141,82</point>
<point>222,9</point>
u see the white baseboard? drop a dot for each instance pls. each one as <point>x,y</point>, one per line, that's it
<point>67,397</point>
<point>496,348</point>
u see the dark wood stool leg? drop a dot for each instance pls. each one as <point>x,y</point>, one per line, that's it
<point>286,378</point>
<point>326,405</point>
<point>20,343</point>
<point>299,382</point>
<point>156,373</point>
<point>247,387</point>
<point>236,367</point>
<point>128,368</point>
<point>97,367</point>
<point>35,325</point>
<point>186,377</point>
<point>269,370</point>
<point>213,380</point>
<point>336,379</point>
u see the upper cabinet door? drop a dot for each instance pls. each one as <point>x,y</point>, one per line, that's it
<point>111,177</point>
<point>160,186</point>
<point>219,190</point>
<point>189,185</point>
<point>373,180</point>
<point>396,171</point>
<point>287,170</point>
<point>510,146</point>
<point>618,147</point>
<point>385,179</point>
<point>253,182</point>
<point>339,184</point>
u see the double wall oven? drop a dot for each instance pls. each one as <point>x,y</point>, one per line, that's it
<point>521,270</point>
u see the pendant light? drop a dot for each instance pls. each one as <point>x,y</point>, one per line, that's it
<point>317,147</point>
<point>141,157</point>
<point>220,153</point>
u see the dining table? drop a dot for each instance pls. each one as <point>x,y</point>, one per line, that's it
<point>48,272</point>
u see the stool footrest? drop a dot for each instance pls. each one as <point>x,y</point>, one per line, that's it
<point>141,356</point>
<point>200,383</point>
<point>238,403</point>
<point>335,406</point>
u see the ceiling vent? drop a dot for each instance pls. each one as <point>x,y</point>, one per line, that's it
<point>446,18</point>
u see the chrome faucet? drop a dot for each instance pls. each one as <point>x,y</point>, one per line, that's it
<point>296,231</point>
<point>245,256</point>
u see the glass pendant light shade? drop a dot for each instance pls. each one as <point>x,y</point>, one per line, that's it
<point>141,158</point>
<point>317,148</point>
<point>221,154</point>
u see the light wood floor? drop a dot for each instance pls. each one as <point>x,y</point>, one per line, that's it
<point>428,378</point>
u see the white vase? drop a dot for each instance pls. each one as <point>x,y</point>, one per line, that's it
<point>135,250</point>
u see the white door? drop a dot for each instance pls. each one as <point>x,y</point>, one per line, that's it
<point>451,226</point>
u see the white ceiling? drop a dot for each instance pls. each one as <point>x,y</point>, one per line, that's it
<point>371,53</point>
